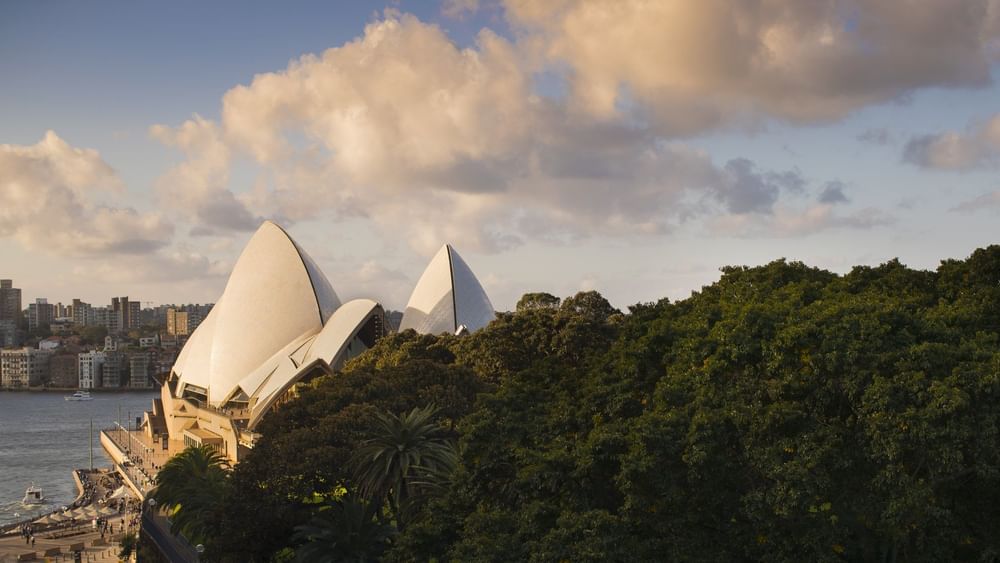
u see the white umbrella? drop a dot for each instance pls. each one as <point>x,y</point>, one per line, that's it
<point>75,513</point>
<point>107,511</point>
<point>46,519</point>
<point>59,517</point>
<point>119,493</point>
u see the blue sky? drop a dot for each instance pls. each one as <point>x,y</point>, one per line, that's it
<point>559,146</point>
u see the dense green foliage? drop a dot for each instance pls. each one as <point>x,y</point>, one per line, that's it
<point>192,486</point>
<point>784,413</point>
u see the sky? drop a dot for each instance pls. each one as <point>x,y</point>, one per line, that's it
<point>625,146</point>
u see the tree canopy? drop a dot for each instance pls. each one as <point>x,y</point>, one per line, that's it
<point>783,413</point>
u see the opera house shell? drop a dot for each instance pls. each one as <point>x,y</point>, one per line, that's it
<point>280,322</point>
<point>448,298</point>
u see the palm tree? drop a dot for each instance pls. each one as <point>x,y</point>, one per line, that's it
<point>343,530</point>
<point>191,485</point>
<point>401,455</point>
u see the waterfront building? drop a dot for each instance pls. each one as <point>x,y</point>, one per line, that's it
<point>139,371</point>
<point>27,367</point>
<point>90,369</point>
<point>114,371</point>
<point>64,370</point>
<point>148,341</point>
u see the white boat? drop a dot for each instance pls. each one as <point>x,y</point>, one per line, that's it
<point>33,495</point>
<point>79,396</point>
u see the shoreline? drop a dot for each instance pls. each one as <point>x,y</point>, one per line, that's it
<point>79,486</point>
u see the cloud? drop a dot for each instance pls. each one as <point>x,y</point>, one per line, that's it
<point>978,146</point>
<point>693,66</point>
<point>458,9</point>
<point>987,200</point>
<point>432,142</point>
<point>877,136</point>
<point>53,201</point>
<point>435,142</point>
<point>199,185</point>
<point>833,193</point>
<point>745,190</point>
<point>172,265</point>
<point>787,221</point>
<point>371,277</point>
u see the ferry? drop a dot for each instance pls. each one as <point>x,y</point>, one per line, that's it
<point>33,495</point>
<point>79,396</point>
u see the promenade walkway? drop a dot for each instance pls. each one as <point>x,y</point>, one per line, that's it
<point>12,547</point>
<point>145,456</point>
<point>59,542</point>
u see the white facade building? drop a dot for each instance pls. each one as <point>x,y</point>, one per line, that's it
<point>91,369</point>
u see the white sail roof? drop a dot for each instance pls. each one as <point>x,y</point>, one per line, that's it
<point>446,297</point>
<point>326,349</point>
<point>279,320</point>
<point>330,345</point>
<point>275,295</point>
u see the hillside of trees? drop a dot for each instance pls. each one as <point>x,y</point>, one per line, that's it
<point>784,413</point>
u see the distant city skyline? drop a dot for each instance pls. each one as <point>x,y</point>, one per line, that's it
<point>629,147</point>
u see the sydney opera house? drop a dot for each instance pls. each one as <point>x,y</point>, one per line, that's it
<point>279,322</point>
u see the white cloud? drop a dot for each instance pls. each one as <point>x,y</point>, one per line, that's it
<point>433,143</point>
<point>200,183</point>
<point>979,145</point>
<point>53,196</point>
<point>692,66</point>
<point>173,265</point>
<point>373,278</point>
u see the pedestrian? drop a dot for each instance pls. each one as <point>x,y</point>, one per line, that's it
<point>32,541</point>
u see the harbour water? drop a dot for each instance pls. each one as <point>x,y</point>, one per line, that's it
<point>43,438</point>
